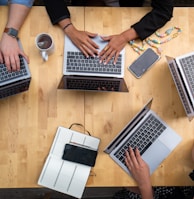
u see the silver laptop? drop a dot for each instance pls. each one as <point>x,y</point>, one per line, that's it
<point>73,60</point>
<point>146,131</point>
<point>15,82</point>
<point>81,73</point>
<point>182,71</point>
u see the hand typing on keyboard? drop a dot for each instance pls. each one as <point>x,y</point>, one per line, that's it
<point>9,53</point>
<point>9,46</point>
<point>116,44</point>
<point>82,39</point>
<point>140,172</point>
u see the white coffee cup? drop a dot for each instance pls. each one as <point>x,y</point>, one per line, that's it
<point>44,42</point>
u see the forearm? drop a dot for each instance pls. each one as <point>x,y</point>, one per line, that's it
<point>58,13</point>
<point>17,15</point>
<point>57,10</point>
<point>129,34</point>
<point>64,23</point>
<point>146,192</point>
<point>155,19</point>
<point>67,27</point>
<point>140,172</point>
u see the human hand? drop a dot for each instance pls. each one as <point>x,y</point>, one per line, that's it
<point>113,48</point>
<point>9,53</point>
<point>82,39</point>
<point>138,167</point>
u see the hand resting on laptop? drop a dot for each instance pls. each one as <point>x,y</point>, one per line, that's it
<point>141,174</point>
<point>156,18</point>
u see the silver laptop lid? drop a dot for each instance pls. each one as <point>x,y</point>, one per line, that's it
<point>116,141</point>
<point>70,47</point>
<point>181,88</point>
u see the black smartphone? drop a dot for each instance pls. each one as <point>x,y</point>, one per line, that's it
<point>79,154</point>
<point>143,62</point>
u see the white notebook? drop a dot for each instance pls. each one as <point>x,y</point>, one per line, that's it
<point>65,176</point>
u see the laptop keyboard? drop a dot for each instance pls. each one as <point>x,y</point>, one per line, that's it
<point>14,89</point>
<point>180,89</point>
<point>142,138</point>
<point>88,84</point>
<point>6,75</point>
<point>77,62</point>
<point>187,64</point>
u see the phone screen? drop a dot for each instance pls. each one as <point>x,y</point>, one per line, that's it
<point>143,62</point>
<point>79,154</point>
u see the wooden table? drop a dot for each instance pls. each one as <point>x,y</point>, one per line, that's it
<point>29,120</point>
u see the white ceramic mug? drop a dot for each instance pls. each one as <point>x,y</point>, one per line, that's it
<point>44,42</point>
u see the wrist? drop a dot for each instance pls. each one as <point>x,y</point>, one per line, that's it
<point>129,35</point>
<point>146,185</point>
<point>66,26</point>
<point>70,30</point>
<point>12,32</point>
<point>147,192</point>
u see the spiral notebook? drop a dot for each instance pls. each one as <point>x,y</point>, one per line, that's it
<point>65,176</point>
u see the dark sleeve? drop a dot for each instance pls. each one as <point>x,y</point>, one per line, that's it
<point>57,10</point>
<point>161,13</point>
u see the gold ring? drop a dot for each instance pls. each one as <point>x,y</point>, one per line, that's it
<point>106,48</point>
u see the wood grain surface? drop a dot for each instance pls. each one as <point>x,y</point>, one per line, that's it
<point>29,120</point>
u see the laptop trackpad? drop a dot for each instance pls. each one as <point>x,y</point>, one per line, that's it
<point>155,154</point>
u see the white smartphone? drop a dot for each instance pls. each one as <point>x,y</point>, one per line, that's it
<point>143,62</point>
